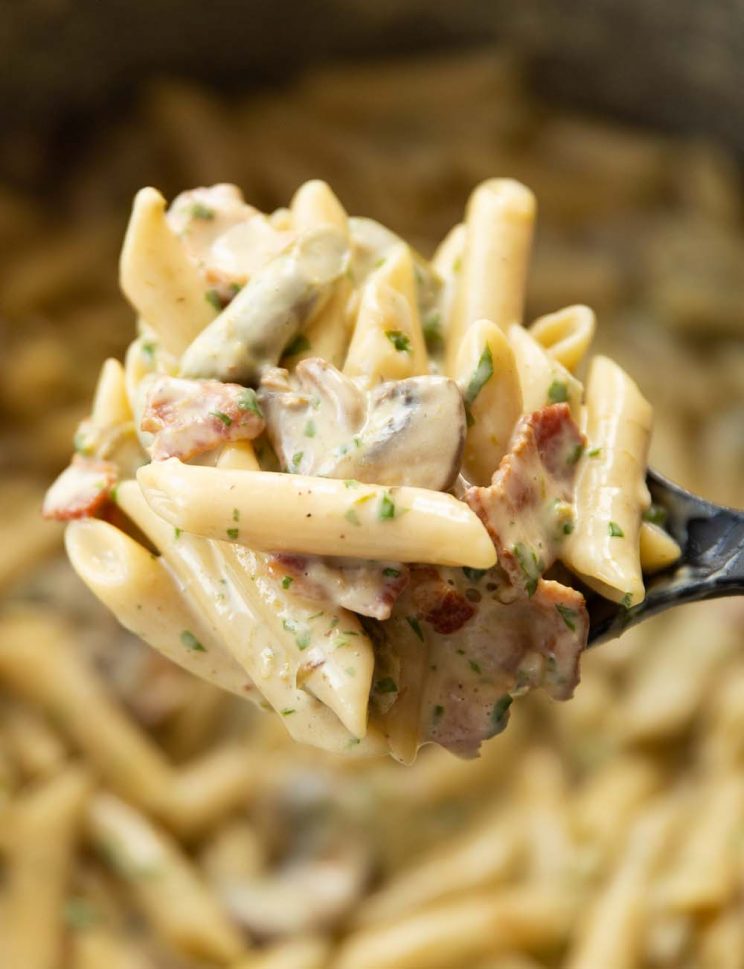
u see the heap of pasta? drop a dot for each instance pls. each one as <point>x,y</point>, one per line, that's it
<point>348,483</point>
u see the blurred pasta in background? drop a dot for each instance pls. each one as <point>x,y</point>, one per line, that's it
<point>150,820</point>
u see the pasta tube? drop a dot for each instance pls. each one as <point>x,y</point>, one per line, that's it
<point>566,335</point>
<point>543,380</point>
<point>388,342</point>
<point>317,516</point>
<point>610,490</point>
<point>44,823</point>
<point>159,279</point>
<point>487,376</point>
<point>498,223</point>
<point>315,204</point>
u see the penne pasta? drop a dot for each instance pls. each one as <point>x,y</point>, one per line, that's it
<point>487,375</point>
<point>543,380</point>
<point>566,335</point>
<point>158,278</point>
<point>314,204</point>
<point>611,493</point>
<point>657,549</point>
<point>498,237</point>
<point>395,524</point>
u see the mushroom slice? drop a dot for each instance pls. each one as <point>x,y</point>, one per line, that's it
<point>405,432</point>
<point>250,335</point>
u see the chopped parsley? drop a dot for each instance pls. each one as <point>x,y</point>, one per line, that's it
<point>399,340</point>
<point>310,429</point>
<point>415,626</point>
<point>213,298</point>
<point>189,640</point>
<point>287,712</point>
<point>391,573</point>
<point>558,392</point>
<point>249,401</point>
<point>222,416</point>
<point>568,527</point>
<point>594,452</point>
<point>201,211</point>
<point>303,639</point>
<point>386,509</point>
<point>287,581</point>
<point>656,515</point>
<point>575,454</point>
<point>530,566</point>
<point>296,458</point>
<point>298,345</point>
<point>149,350</point>
<point>386,685</point>
<point>233,533</point>
<point>352,517</point>
<point>567,615</point>
<point>178,532</point>
<point>480,377</point>
<point>500,707</point>
<point>474,667</point>
<point>438,712</point>
<point>350,483</point>
<point>626,600</point>
<point>236,514</point>
<point>615,530</point>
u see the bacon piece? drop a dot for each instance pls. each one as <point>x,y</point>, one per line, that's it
<point>189,417</point>
<point>507,647</point>
<point>81,489</point>
<point>437,602</point>
<point>368,588</point>
<point>527,507</point>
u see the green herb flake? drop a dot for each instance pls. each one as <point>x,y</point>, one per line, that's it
<point>315,615</point>
<point>575,455</point>
<point>287,712</point>
<point>386,685</point>
<point>399,340</point>
<point>626,600</point>
<point>615,530</point>
<point>500,708</point>
<point>480,377</point>
<point>558,392</point>
<point>594,452</point>
<point>351,483</point>
<point>310,429</point>
<point>213,298</point>
<point>474,667</point>
<point>415,626</point>
<point>221,416</point>
<point>378,262</point>
<point>249,401</point>
<point>201,211</point>
<point>303,639</point>
<point>391,573</point>
<point>287,581</point>
<point>438,713</point>
<point>236,515</point>
<point>386,510</point>
<point>352,517</point>
<point>567,615</point>
<point>149,349</point>
<point>189,640</point>
<point>298,345</point>
<point>656,515</point>
<point>177,532</point>
<point>233,533</point>
<point>235,288</point>
<point>568,527</point>
<point>296,458</point>
<point>530,566</point>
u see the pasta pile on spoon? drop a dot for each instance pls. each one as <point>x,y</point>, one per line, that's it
<point>346,482</point>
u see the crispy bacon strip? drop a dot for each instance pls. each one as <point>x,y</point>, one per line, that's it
<point>367,588</point>
<point>189,417</point>
<point>437,601</point>
<point>510,644</point>
<point>81,489</point>
<point>527,507</point>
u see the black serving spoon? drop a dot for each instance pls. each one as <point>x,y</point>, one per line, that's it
<point>711,565</point>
